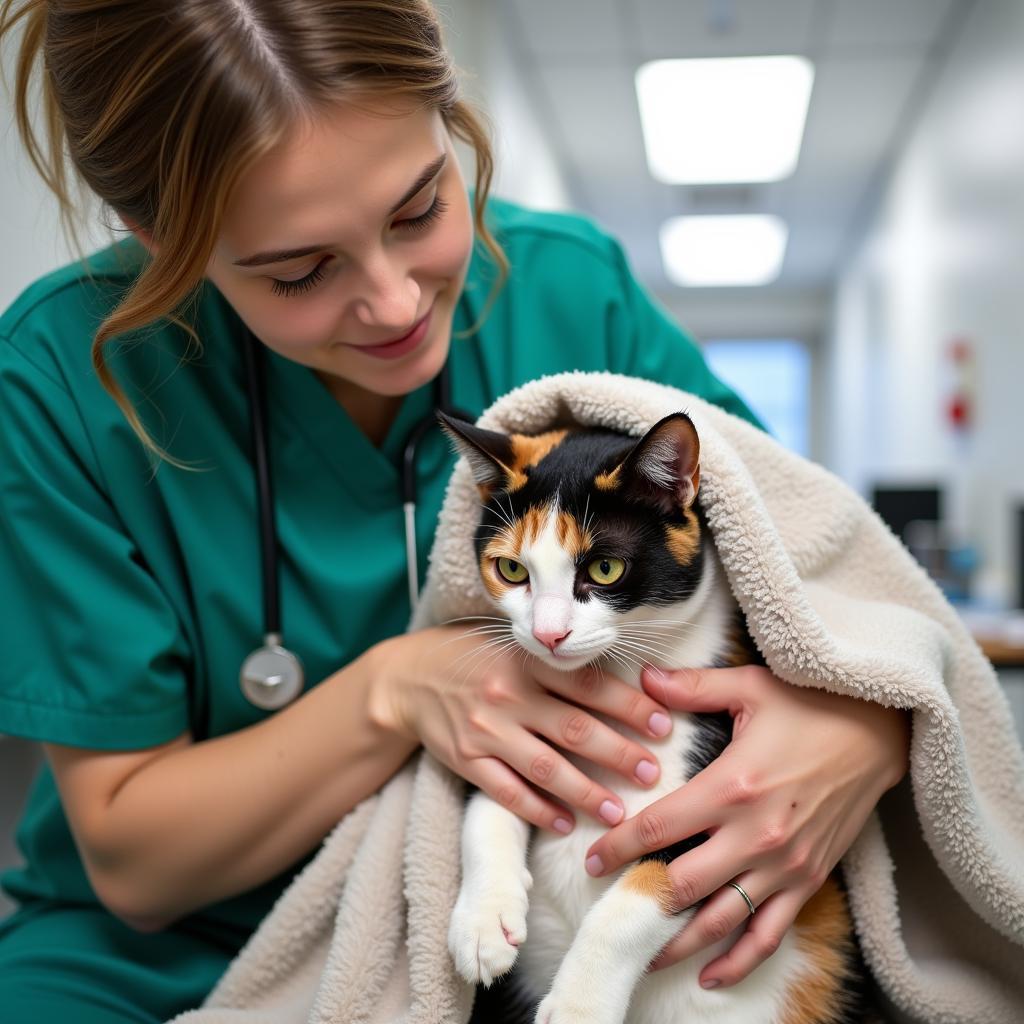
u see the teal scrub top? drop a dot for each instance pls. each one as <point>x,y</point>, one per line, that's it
<point>132,597</point>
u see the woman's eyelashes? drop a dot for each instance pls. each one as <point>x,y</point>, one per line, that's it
<point>315,276</point>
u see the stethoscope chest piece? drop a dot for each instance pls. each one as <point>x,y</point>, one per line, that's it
<point>271,676</point>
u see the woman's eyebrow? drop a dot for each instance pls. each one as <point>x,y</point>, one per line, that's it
<point>281,255</point>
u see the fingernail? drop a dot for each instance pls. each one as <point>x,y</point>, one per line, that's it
<point>710,983</point>
<point>563,825</point>
<point>659,724</point>
<point>610,812</point>
<point>646,772</point>
<point>595,866</point>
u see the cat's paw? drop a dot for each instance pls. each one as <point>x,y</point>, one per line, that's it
<point>486,931</point>
<point>555,1010</point>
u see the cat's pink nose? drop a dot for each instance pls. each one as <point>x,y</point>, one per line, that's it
<point>551,638</point>
<point>551,618</point>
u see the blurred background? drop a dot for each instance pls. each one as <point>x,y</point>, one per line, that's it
<point>827,194</point>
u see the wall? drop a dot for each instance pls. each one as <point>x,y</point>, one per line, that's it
<point>482,38</point>
<point>479,39</point>
<point>943,258</point>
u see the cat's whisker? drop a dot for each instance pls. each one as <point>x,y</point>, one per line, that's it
<point>685,624</point>
<point>489,651</point>
<point>619,658</point>
<point>586,515</point>
<point>476,618</point>
<point>663,644</point>
<point>496,631</point>
<point>495,506</point>
<point>507,647</point>
<point>667,653</point>
<point>492,632</point>
<point>643,645</point>
<point>650,655</point>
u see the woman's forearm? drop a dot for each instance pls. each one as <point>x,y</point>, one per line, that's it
<point>214,819</point>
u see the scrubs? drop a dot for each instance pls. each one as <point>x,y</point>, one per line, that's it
<point>132,597</point>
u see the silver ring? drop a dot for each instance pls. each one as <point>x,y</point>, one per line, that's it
<point>746,898</point>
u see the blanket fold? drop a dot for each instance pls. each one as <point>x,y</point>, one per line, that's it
<point>834,601</point>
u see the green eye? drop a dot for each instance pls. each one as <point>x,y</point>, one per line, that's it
<point>512,571</point>
<point>606,570</point>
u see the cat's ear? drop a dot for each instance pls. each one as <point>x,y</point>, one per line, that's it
<point>664,466</point>
<point>488,453</point>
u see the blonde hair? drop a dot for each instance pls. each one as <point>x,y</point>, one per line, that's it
<point>162,105</point>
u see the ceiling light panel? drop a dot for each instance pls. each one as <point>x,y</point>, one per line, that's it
<point>735,119</point>
<point>723,251</point>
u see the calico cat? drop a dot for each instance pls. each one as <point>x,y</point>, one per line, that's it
<point>592,546</point>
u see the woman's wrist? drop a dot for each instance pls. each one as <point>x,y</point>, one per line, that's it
<point>900,724</point>
<point>385,705</point>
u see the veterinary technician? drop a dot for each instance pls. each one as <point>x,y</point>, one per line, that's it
<point>286,173</point>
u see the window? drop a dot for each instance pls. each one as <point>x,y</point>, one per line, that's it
<point>773,376</point>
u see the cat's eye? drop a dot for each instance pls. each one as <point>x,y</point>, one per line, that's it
<point>514,572</point>
<point>606,570</point>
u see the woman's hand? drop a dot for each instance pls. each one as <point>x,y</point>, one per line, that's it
<point>492,717</point>
<point>782,804</point>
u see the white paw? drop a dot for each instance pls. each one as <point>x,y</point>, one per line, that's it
<point>559,1010</point>
<point>487,929</point>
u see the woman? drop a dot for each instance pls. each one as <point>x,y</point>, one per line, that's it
<point>287,169</point>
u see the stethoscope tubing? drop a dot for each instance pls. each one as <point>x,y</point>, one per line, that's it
<point>255,362</point>
<point>262,694</point>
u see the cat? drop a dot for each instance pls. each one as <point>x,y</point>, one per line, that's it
<point>592,546</point>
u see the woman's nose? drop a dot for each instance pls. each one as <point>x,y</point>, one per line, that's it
<point>389,295</point>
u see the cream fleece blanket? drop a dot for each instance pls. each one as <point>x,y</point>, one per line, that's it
<point>833,600</point>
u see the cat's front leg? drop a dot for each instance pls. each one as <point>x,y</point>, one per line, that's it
<point>488,923</point>
<point>621,934</point>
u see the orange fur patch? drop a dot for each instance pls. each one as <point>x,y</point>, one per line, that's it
<point>509,543</point>
<point>608,481</point>
<point>683,542</point>
<point>823,932</point>
<point>528,451</point>
<point>650,879</point>
<point>572,536</point>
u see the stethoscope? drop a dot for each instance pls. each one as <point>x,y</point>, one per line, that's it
<point>272,675</point>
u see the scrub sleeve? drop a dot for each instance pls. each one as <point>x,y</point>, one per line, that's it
<point>132,596</point>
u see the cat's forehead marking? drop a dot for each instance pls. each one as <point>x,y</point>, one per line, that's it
<point>510,542</point>
<point>527,451</point>
<point>572,535</point>
<point>683,542</point>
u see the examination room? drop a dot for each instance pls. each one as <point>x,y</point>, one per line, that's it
<point>672,525</point>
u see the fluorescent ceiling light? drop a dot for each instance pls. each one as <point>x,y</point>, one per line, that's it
<point>734,250</point>
<point>736,119</point>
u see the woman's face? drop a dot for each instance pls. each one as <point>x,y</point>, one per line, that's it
<point>379,205</point>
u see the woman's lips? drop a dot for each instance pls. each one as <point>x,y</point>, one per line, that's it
<point>400,346</point>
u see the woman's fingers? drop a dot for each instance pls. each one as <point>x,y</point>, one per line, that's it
<point>704,689</point>
<point>608,695</point>
<point>765,932</point>
<point>577,730</point>
<point>678,815</point>
<point>503,785</point>
<point>722,913</point>
<point>539,763</point>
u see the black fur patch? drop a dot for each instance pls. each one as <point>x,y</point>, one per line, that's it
<point>629,528</point>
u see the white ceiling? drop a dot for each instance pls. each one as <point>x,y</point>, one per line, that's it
<point>874,62</point>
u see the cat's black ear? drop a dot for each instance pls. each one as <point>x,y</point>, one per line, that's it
<point>664,466</point>
<point>488,453</point>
